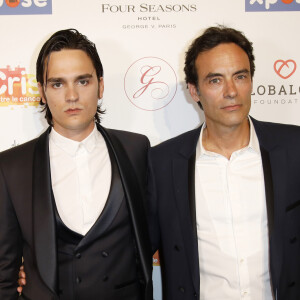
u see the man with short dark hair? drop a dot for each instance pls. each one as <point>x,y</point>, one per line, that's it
<point>77,213</point>
<point>225,209</point>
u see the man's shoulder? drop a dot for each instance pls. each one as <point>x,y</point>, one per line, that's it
<point>278,129</point>
<point>23,151</point>
<point>16,151</point>
<point>128,138</point>
<point>270,134</point>
<point>176,144</point>
<point>125,134</point>
<point>19,157</point>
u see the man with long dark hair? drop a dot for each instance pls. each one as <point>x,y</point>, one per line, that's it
<point>77,215</point>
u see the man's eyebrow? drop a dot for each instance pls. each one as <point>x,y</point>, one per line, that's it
<point>84,76</point>
<point>211,75</point>
<point>55,79</point>
<point>61,79</point>
<point>242,71</point>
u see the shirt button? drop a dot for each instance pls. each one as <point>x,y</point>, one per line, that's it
<point>291,284</point>
<point>104,254</point>
<point>177,248</point>
<point>242,260</point>
<point>78,280</point>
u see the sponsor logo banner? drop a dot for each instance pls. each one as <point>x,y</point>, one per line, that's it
<point>284,92</point>
<point>25,7</point>
<point>146,16</point>
<point>272,5</point>
<point>150,83</point>
<point>17,87</point>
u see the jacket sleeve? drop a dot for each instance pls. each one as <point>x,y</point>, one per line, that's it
<point>10,244</point>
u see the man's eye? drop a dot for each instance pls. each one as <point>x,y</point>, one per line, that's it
<point>241,76</point>
<point>214,80</point>
<point>56,85</point>
<point>83,82</point>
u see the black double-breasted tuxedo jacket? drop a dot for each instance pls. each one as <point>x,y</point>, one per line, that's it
<point>28,223</point>
<point>173,219</point>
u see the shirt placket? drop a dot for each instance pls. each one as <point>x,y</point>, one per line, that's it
<point>83,174</point>
<point>238,229</point>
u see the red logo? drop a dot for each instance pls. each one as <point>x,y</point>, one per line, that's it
<point>285,69</point>
<point>150,83</point>
<point>12,3</point>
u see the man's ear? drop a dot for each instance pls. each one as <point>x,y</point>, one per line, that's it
<point>194,92</point>
<point>41,92</point>
<point>100,88</point>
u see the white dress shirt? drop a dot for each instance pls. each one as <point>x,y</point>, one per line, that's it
<point>81,178</point>
<point>232,224</point>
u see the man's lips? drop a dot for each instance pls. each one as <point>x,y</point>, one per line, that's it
<point>232,107</point>
<point>72,111</point>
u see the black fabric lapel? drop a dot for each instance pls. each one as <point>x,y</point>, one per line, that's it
<point>278,164</point>
<point>181,181</point>
<point>43,214</point>
<point>274,158</point>
<point>192,198</point>
<point>268,189</point>
<point>184,181</point>
<point>114,201</point>
<point>135,201</point>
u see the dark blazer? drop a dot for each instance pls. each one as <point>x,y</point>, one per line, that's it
<point>27,221</point>
<point>173,218</point>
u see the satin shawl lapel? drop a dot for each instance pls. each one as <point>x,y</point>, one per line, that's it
<point>135,200</point>
<point>43,214</point>
<point>113,203</point>
<point>275,207</point>
<point>184,181</point>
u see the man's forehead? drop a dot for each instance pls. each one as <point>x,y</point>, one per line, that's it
<point>221,58</point>
<point>68,56</point>
<point>68,62</point>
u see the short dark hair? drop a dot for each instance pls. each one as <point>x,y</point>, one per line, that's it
<point>66,39</point>
<point>212,37</point>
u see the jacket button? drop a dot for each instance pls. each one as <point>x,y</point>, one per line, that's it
<point>195,294</point>
<point>78,280</point>
<point>104,254</point>
<point>293,240</point>
<point>181,289</point>
<point>105,278</point>
<point>291,284</point>
<point>176,247</point>
<point>78,255</point>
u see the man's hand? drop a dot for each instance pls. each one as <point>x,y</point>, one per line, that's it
<point>22,279</point>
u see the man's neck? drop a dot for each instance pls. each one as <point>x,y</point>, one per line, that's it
<point>226,140</point>
<point>77,135</point>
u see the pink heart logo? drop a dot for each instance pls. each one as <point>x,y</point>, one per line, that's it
<point>285,68</point>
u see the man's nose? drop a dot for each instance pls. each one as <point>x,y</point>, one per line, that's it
<point>230,89</point>
<point>71,93</point>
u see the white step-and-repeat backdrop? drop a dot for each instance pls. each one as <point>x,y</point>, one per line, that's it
<point>142,46</point>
